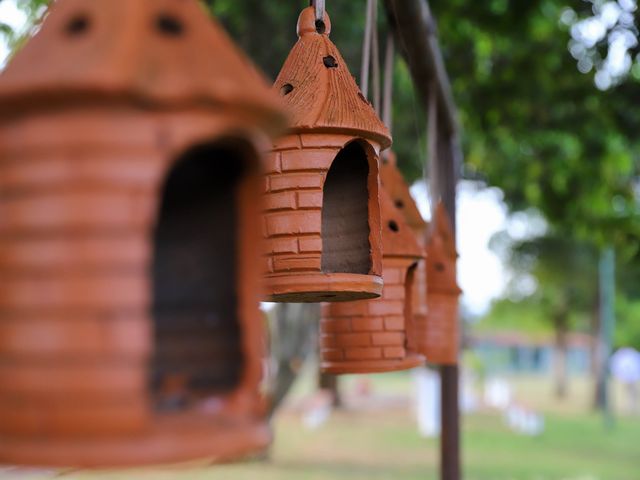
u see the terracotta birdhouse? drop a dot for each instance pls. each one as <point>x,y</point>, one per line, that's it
<point>375,335</point>
<point>441,331</point>
<point>394,183</point>
<point>130,174</point>
<point>322,219</point>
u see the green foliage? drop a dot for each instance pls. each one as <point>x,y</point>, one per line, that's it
<point>34,10</point>
<point>565,276</point>
<point>534,126</point>
<point>565,272</point>
<point>523,315</point>
<point>627,307</point>
<point>627,331</point>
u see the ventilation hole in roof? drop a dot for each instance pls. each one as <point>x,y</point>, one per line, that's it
<point>169,25</point>
<point>77,25</point>
<point>330,62</point>
<point>393,226</point>
<point>399,203</point>
<point>439,267</point>
<point>320,27</point>
<point>286,89</point>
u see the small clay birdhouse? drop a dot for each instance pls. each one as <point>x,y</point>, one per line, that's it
<point>394,183</point>
<point>441,331</point>
<point>375,335</point>
<point>131,176</point>
<point>322,221</point>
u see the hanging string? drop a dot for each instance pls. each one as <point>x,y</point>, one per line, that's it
<point>366,49</point>
<point>375,57</point>
<point>424,150</point>
<point>371,54</point>
<point>387,96</point>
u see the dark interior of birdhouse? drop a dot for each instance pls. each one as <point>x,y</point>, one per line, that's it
<point>197,337</point>
<point>345,213</point>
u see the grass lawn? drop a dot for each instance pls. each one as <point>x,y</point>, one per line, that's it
<point>374,445</point>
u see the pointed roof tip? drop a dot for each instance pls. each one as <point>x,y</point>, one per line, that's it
<point>166,52</point>
<point>441,254</point>
<point>398,239</point>
<point>319,92</point>
<point>395,184</point>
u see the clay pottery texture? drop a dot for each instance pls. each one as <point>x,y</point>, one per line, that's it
<point>322,219</point>
<point>368,336</point>
<point>130,191</point>
<point>394,183</point>
<point>440,332</point>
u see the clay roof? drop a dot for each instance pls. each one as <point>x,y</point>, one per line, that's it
<point>320,92</point>
<point>395,184</point>
<point>153,52</point>
<point>441,254</point>
<point>398,240</point>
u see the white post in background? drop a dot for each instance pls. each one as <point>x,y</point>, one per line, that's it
<point>427,401</point>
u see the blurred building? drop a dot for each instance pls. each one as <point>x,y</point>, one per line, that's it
<point>518,352</point>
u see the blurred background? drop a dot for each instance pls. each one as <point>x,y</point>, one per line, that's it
<point>547,93</point>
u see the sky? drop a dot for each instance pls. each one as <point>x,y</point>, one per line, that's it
<point>13,17</point>
<point>480,214</point>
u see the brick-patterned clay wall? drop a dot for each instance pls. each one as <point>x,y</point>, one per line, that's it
<point>419,334</point>
<point>438,331</point>
<point>293,200</point>
<point>87,135</point>
<point>74,335</point>
<point>368,330</point>
<point>438,335</point>
<point>78,208</point>
<point>307,172</point>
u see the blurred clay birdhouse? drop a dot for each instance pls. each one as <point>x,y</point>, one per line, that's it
<point>441,330</point>
<point>375,335</point>
<point>322,217</point>
<point>394,183</point>
<point>130,174</point>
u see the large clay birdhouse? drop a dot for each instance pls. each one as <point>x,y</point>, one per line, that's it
<point>394,183</point>
<point>130,174</point>
<point>375,335</point>
<point>441,331</point>
<point>323,220</point>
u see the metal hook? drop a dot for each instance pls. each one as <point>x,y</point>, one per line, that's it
<point>319,8</point>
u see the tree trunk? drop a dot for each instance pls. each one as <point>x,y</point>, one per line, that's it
<point>594,328</point>
<point>330,382</point>
<point>293,328</point>
<point>561,350</point>
<point>597,353</point>
<point>606,315</point>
